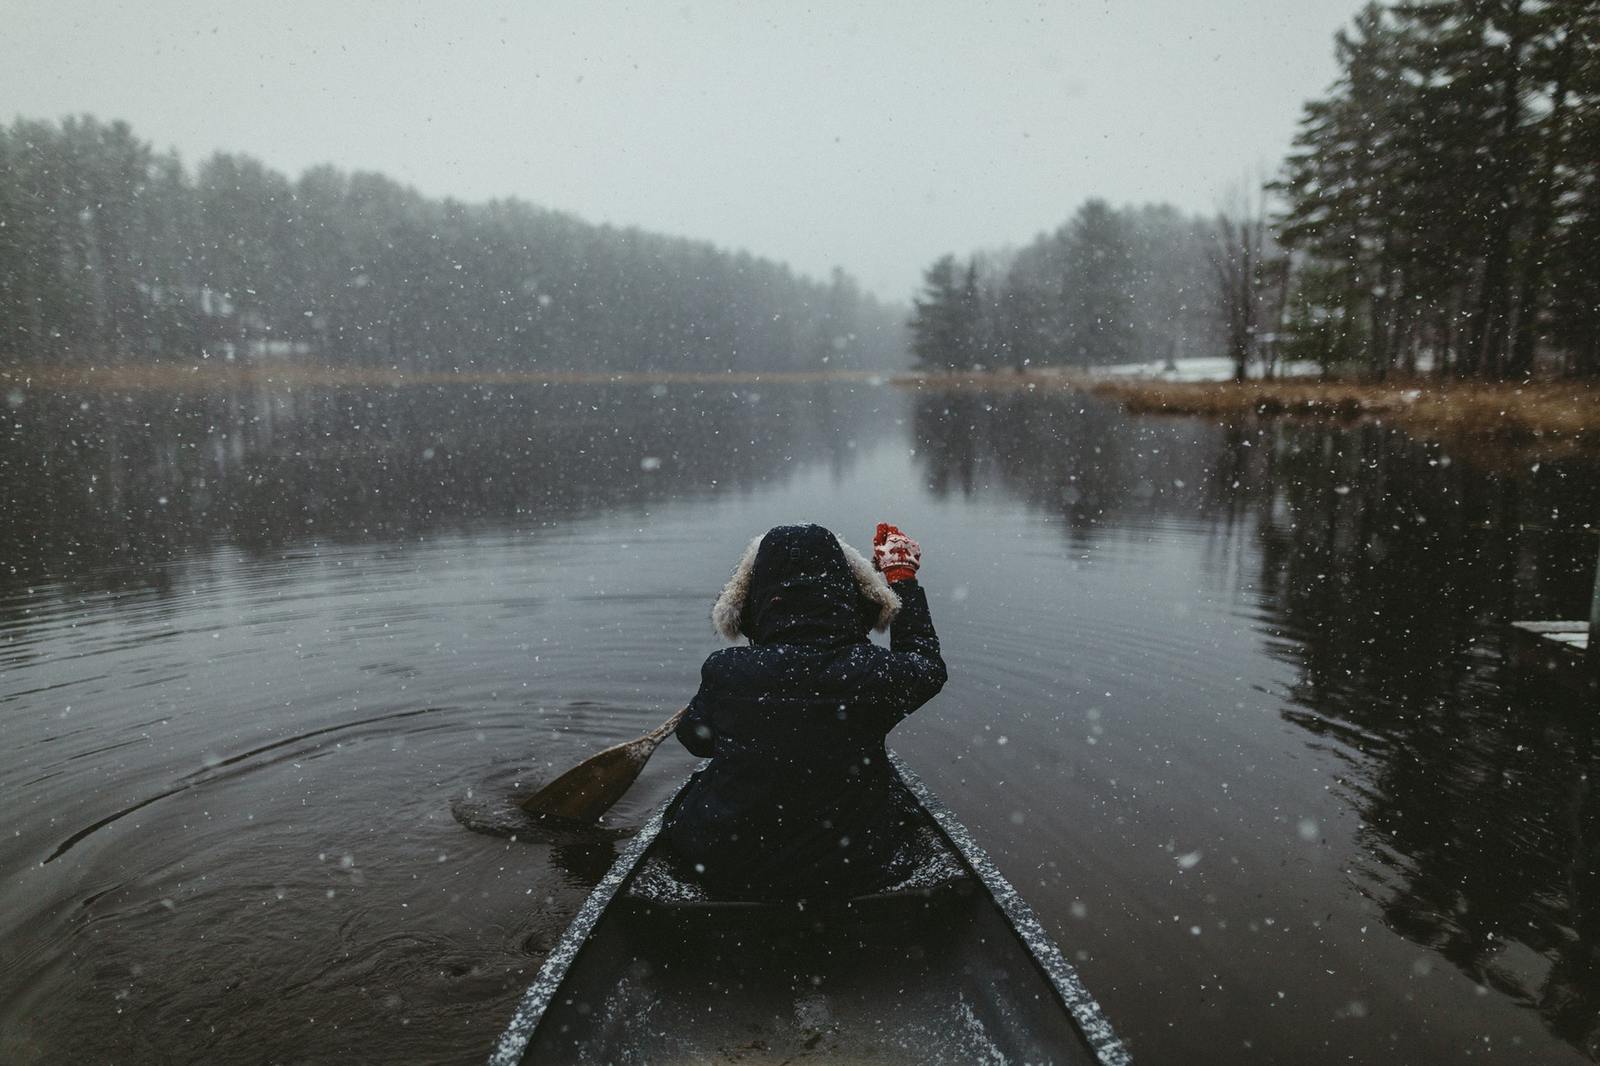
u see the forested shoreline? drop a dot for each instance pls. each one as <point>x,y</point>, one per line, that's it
<point>1439,212</point>
<point>1111,285</point>
<point>115,254</point>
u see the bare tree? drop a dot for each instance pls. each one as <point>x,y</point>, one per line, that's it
<point>1249,275</point>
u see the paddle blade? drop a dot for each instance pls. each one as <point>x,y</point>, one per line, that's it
<point>589,789</point>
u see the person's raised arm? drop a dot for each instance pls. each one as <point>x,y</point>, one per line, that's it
<point>916,669</point>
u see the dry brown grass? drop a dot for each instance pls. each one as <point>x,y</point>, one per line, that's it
<point>991,381</point>
<point>213,376</point>
<point>1498,421</point>
<point>1557,411</point>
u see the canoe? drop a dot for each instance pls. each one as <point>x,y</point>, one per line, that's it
<point>948,966</point>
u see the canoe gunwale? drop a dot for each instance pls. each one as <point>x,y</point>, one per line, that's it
<point>1074,996</point>
<point>1040,946</point>
<point>536,1000</point>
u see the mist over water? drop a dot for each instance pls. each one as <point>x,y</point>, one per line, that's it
<point>1231,705</point>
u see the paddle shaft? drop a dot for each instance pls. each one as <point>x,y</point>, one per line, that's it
<point>662,731</point>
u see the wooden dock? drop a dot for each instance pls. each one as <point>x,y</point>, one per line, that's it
<point>1564,647</point>
<point>1570,637</point>
<point>1559,653</point>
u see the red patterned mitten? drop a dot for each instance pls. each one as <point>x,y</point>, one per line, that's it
<point>895,554</point>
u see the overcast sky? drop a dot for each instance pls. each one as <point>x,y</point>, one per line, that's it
<point>871,136</point>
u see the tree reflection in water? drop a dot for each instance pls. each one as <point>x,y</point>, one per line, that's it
<point>134,481</point>
<point>1387,571</point>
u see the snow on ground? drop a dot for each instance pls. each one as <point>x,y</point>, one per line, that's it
<point>1218,368</point>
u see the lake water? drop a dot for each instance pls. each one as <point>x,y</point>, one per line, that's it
<point>1233,706</point>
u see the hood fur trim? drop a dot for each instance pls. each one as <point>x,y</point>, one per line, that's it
<point>725,613</point>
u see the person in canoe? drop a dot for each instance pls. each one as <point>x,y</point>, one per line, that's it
<point>798,799</point>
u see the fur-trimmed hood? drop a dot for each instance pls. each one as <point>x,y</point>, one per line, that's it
<point>794,568</point>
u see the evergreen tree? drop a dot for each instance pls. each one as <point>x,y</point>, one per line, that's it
<point>943,326</point>
<point>1096,291</point>
<point>1440,183</point>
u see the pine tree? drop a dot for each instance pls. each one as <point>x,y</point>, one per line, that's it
<point>1096,286</point>
<point>940,329</point>
<point>1441,180</point>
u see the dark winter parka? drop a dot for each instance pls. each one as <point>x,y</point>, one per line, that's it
<point>798,798</point>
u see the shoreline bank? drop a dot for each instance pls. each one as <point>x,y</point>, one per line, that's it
<point>220,374</point>
<point>1551,416</point>
<point>1511,412</point>
<point>1559,416</point>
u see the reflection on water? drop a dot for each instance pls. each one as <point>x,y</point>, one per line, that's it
<point>1386,570</point>
<point>1232,704</point>
<point>131,481</point>
<point>1470,776</point>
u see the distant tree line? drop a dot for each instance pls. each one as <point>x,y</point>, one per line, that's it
<point>1443,201</point>
<point>114,253</point>
<point>1110,286</point>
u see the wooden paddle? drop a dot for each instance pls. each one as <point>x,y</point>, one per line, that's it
<point>588,790</point>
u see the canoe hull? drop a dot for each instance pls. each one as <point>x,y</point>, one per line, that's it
<point>933,972</point>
